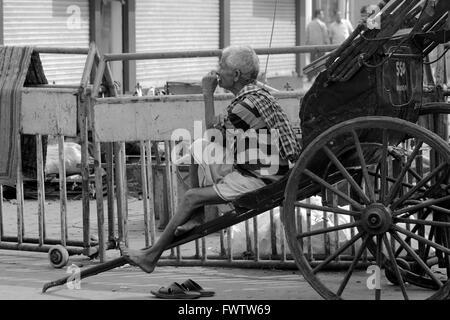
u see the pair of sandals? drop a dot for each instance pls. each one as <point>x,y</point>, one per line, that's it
<point>186,290</point>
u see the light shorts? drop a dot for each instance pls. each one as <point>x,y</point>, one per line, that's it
<point>230,184</point>
<point>235,184</point>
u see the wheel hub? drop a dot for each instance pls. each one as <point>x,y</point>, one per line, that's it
<point>376,219</point>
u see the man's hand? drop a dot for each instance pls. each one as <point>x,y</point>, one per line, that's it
<point>219,121</point>
<point>209,82</point>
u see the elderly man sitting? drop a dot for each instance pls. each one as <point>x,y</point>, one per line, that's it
<point>253,109</point>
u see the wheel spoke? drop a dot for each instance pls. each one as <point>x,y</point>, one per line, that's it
<point>337,252</point>
<point>363,166</point>
<point>396,187</point>
<point>400,249</point>
<point>390,179</point>
<point>414,229</point>
<point>332,189</point>
<point>415,174</point>
<point>388,246</point>
<point>347,175</point>
<point>420,205</point>
<point>328,209</point>
<point>434,208</point>
<point>430,236</point>
<point>326,230</point>
<point>421,239</point>
<point>416,257</point>
<point>419,185</point>
<point>383,168</point>
<point>424,222</point>
<point>352,266</point>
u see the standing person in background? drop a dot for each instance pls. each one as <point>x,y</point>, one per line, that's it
<point>340,29</point>
<point>316,34</point>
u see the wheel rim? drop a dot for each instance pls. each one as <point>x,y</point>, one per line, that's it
<point>56,257</point>
<point>381,206</point>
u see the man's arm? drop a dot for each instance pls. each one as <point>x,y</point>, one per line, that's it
<point>209,85</point>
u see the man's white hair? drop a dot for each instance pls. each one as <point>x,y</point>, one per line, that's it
<point>242,58</point>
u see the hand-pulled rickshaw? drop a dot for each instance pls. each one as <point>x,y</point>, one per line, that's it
<point>359,126</point>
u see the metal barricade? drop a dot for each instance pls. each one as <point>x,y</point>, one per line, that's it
<point>51,110</point>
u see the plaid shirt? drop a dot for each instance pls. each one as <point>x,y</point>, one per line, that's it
<point>252,96</point>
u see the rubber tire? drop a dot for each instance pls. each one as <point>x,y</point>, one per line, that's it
<point>58,256</point>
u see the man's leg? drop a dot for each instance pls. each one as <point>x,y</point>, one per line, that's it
<point>192,200</point>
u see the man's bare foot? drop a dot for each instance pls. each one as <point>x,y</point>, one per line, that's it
<point>188,226</point>
<point>140,258</point>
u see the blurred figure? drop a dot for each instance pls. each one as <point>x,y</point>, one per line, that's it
<point>368,11</point>
<point>316,34</point>
<point>340,29</point>
<point>364,13</point>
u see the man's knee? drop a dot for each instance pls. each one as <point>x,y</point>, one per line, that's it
<point>192,198</point>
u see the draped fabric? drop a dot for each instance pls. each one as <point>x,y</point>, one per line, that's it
<point>18,66</point>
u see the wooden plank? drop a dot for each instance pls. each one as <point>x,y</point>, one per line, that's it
<point>49,111</point>
<point>156,118</point>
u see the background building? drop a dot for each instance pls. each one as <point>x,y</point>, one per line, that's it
<point>160,25</point>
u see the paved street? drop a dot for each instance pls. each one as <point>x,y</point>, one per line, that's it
<point>22,275</point>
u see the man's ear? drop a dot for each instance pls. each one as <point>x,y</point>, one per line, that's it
<point>236,75</point>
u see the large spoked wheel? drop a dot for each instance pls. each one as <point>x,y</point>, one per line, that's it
<point>395,209</point>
